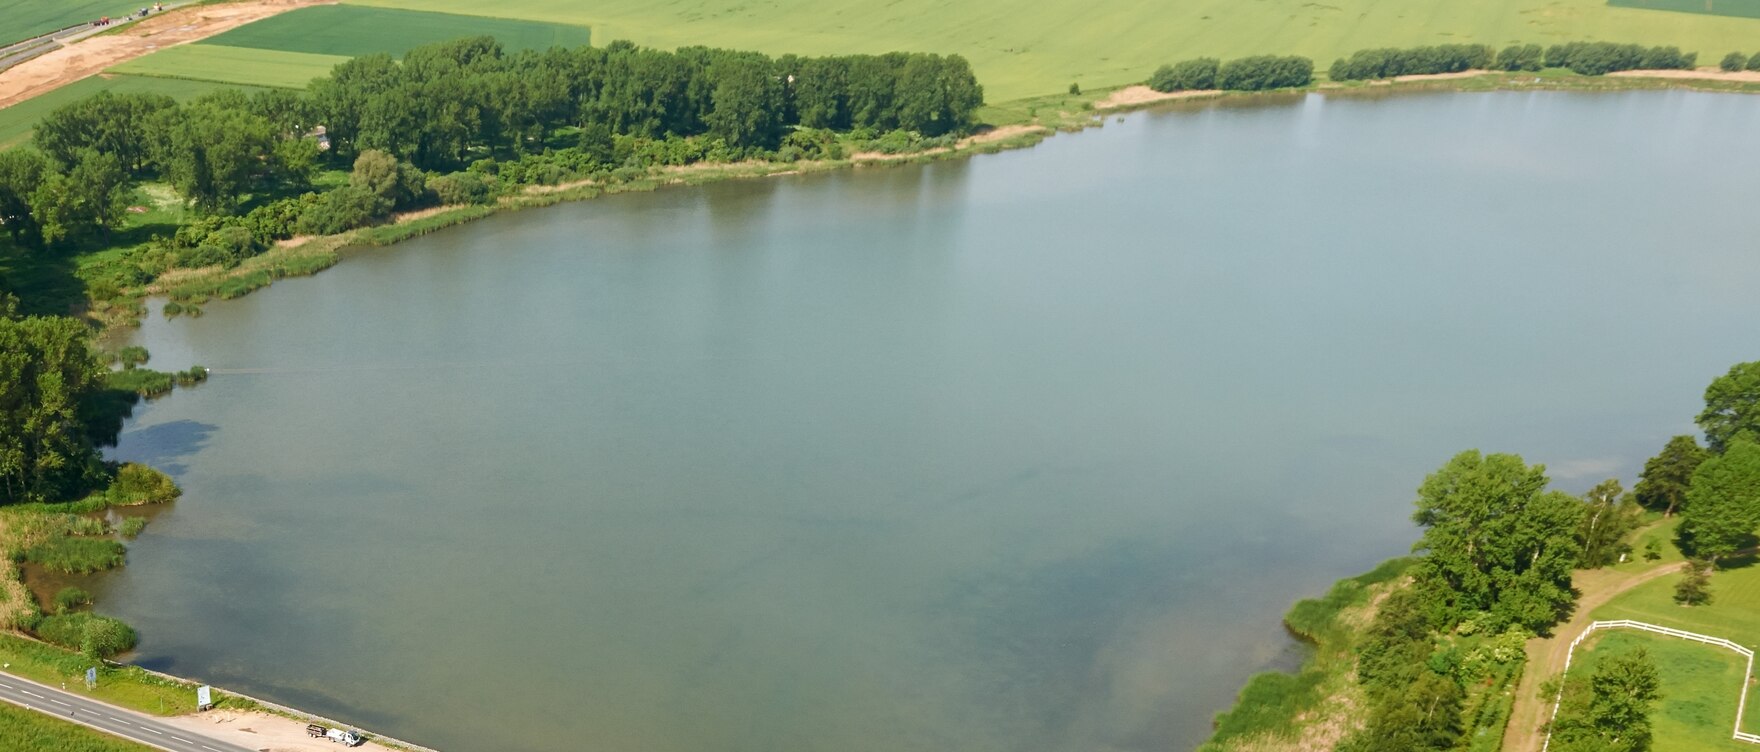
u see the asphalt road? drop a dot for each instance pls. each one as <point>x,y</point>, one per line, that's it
<point>108,718</point>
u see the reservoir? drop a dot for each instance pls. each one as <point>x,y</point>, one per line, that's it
<point>1024,452</point>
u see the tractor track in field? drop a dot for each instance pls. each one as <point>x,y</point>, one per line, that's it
<point>92,55</point>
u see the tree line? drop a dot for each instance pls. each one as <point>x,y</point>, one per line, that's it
<point>1258,73</point>
<point>1586,58</point>
<point>445,107</point>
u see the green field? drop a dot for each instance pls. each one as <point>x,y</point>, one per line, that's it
<point>1024,49</point>
<point>27,729</point>
<point>233,65</point>
<point>28,18</point>
<point>355,30</point>
<point>1733,8</point>
<point>17,121</point>
<point>1701,685</point>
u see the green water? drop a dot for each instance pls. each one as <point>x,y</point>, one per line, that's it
<point>1024,452</point>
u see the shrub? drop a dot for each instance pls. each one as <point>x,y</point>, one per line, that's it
<point>1733,62</point>
<point>461,188</point>
<point>1521,57</point>
<point>138,484</point>
<point>1754,62</point>
<point>1187,75</point>
<point>1265,72</point>
<point>1390,62</point>
<point>96,636</point>
<point>1694,588</point>
<point>1597,58</point>
<point>76,555</point>
<point>70,598</point>
<point>132,356</point>
<point>341,210</point>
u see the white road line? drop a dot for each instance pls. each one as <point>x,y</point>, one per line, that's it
<point>204,746</point>
<point>154,730</point>
<point>33,694</point>
<point>181,739</point>
<point>62,704</point>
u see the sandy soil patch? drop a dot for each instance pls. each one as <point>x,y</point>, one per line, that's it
<point>1702,74</point>
<point>173,27</point>
<point>1131,96</point>
<point>259,731</point>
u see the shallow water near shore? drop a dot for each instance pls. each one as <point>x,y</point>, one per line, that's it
<point>1023,452</point>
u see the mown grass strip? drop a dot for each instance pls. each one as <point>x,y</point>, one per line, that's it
<point>234,65</point>
<point>352,30</point>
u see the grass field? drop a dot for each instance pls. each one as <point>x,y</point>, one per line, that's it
<point>356,30</point>
<point>1700,688</point>
<point>1734,8</point>
<point>28,18</point>
<point>17,121</point>
<point>28,729</point>
<point>1026,49</point>
<point>233,65</point>
<point>1734,614</point>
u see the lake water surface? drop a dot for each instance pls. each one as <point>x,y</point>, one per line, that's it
<point>1026,452</point>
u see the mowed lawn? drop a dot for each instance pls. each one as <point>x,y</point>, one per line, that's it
<point>23,19</point>
<point>233,65</point>
<point>1701,686</point>
<point>1734,614</point>
<point>357,30</point>
<point>17,121</point>
<point>1023,48</point>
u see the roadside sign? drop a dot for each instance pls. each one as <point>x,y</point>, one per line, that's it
<point>91,677</point>
<point>204,697</point>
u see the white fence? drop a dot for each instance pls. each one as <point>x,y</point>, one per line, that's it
<point>1741,705</point>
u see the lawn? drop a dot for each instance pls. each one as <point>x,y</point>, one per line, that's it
<point>1026,49</point>
<point>29,729</point>
<point>233,65</point>
<point>1734,612</point>
<point>29,18</point>
<point>356,30</point>
<point>1701,685</point>
<point>17,121</point>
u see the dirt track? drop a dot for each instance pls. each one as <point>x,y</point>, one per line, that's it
<point>1546,656</point>
<point>92,55</point>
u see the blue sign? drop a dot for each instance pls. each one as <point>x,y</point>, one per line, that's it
<point>92,677</point>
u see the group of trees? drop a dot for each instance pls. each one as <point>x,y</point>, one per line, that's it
<point>1597,58</point>
<point>1259,73</point>
<point>49,382</point>
<point>1390,62</point>
<point>1720,503</point>
<point>445,107</point>
<point>1736,61</point>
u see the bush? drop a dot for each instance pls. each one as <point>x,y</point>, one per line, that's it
<point>1597,58</point>
<point>132,356</point>
<point>341,210</point>
<point>1754,62</point>
<point>1188,75</point>
<point>76,555</point>
<point>1733,62</point>
<point>461,188</point>
<point>96,636</point>
<point>1694,588</point>
<point>1265,72</point>
<point>70,598</point>
<point>138,484</point>
<point>1521,57</point>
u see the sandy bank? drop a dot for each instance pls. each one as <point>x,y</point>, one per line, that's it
<point>1701,74</point>
<point>1131,96</point>
<point>173,27</point>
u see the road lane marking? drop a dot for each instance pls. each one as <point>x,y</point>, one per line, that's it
<point>204,746</point>
<point>33,694</point>
<point>181,739</point>
<point>62,704</point>
<point>154,730</point>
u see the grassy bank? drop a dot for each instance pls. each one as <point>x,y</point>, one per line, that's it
<point>1320,703</point>
<point>29,729</point>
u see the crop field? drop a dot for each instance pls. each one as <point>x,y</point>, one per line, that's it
<point>233,65</point>
<point>1701,685</point>
<point>1734,8</point>
<point>17,121</point>
<point>1024,49</point>
<point>357,30</point>
<point>28,18</point>
<point>30,729</point>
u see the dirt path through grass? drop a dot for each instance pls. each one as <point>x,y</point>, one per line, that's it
<point>89,56</point>
<point>1546,654</point>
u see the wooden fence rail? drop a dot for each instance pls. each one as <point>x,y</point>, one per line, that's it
<point>1741,705</point>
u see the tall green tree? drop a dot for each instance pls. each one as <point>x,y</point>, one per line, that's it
<point>1424,717</point>
<point>215,155</point>
<point>46,375</point>
<point>1723,502</point>
<point>21,173</point>
<point>1610,710</point>
<point>1732,406</point>
<point>1495,541</point>
<point>91,196</point>
<point>1608,517</point>
<point>115,124</point>
<point>747,104</point>
<point>1663,484</point>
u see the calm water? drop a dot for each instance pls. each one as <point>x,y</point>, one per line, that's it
<point>1026,452</point>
